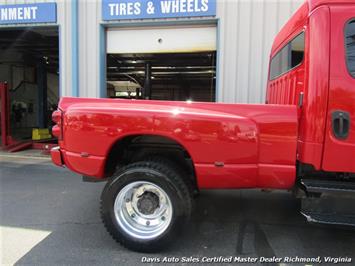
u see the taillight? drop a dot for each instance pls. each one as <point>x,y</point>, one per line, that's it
<point>57,129</point>
<point>57,116</point>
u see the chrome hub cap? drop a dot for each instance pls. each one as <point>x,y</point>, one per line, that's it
<point>143,210</point>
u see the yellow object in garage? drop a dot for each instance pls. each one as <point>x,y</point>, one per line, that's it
<point>40,133</point>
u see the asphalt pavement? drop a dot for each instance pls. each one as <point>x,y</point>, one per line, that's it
<point>48,216</point>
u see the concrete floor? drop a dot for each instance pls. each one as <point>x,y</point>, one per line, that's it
<point>48,216</point>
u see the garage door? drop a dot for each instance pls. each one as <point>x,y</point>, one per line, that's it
<point>161,39</point>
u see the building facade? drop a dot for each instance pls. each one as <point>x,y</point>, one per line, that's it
<point>243,32</point>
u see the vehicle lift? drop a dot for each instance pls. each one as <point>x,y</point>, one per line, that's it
<point>8,143</point>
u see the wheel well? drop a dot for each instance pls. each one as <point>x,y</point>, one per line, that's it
<point>138,147</point>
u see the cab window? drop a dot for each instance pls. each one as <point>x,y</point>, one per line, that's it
<point>350,46</point>
<point>289,57</point>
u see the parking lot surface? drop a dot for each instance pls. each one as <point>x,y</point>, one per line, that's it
<point>48,216</point>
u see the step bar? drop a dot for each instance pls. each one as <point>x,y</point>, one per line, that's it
<point>328,202</point>
<point>321,186</point>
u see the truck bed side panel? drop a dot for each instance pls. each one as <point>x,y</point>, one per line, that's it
<point>255,143</point>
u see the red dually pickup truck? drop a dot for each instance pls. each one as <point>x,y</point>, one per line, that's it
<point>156,155</point>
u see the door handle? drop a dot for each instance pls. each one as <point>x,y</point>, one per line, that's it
<point>341,124</point>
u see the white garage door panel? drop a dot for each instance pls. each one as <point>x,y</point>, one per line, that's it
<point>161,40</point>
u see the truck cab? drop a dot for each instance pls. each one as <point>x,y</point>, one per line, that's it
<point>312,65</point>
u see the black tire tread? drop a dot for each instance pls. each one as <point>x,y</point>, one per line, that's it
<point>170,171</point>
<point>174,165</point>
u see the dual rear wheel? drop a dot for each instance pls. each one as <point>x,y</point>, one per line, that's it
<point>146,204</point>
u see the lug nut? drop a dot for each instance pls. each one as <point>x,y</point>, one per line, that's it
<point>147,223</point>
<point>133,215</point>
<point>163,218</point>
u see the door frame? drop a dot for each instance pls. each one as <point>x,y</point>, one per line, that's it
<point>103,40</point>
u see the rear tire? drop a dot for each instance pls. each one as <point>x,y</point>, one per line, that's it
<point>145,205</point>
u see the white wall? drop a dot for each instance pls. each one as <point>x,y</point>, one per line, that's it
<point>89,39</point>
<point>247,30</point>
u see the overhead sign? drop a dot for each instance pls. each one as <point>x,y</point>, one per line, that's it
<point>145,9</point>
<point>28,13</point>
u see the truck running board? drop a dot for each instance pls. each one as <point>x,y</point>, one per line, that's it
<point>328,202</point>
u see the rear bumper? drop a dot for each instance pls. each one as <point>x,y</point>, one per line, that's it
<point>88,166</point>
<point>57,156</point>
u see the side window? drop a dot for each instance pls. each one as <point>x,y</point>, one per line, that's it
<point>289,57</point>
<point>350,46</point>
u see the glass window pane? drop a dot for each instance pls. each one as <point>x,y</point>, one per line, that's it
<point>350,46</point>
<point>297,46</point>
<point>290,56</point>
<point>279,63</point>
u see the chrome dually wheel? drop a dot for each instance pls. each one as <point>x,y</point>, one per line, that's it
<point>143,210</point>
<point>145,205</point>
